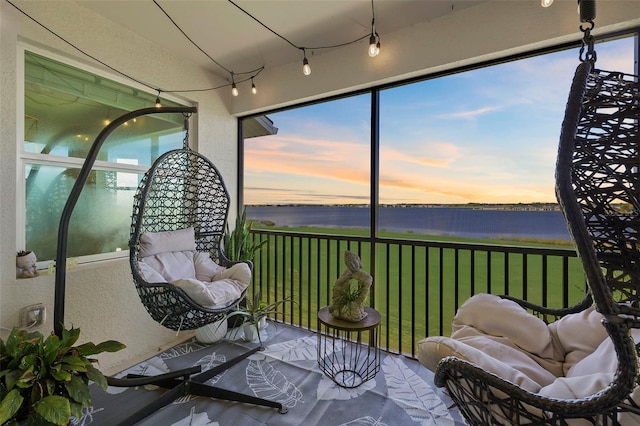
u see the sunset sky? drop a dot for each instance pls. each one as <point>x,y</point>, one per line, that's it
<point>488,135</point>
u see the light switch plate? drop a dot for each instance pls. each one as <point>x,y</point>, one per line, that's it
<point>32,315</point>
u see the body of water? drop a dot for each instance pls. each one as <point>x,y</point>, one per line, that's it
<point>449,221</point>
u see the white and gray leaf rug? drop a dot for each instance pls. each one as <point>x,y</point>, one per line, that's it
<point>402,393</point>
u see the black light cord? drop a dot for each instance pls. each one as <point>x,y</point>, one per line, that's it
<point>373,21</point>
<point>189,38</point>
<point>123,74</point>
<point>333,46</point>
<point>261,23</point>
<point>252,73</point>
<point>233,83</point>
<point>289,41</point>
<point>82,51</point>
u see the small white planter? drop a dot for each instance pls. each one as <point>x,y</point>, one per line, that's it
<point>250,332</point>
<point>26,266</point>
<point>212,333</point>
<point>262,323</point>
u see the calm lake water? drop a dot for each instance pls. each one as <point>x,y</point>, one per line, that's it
<point>461,222</point>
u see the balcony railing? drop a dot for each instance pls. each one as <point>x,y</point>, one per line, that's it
<point>418,285</point>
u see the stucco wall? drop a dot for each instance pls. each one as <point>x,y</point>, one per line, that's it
<point>100,298</point>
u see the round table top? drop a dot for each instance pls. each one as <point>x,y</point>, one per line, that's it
<point>371,320</point>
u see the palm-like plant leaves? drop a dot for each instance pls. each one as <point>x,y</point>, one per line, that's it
<point>238,244</point>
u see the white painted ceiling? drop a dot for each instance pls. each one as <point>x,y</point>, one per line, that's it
<point>240,44</point>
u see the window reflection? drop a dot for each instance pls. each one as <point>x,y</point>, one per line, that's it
<point>65,110</point>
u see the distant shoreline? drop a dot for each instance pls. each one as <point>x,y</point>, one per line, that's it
<point>504,221</point>
<point>474,206</point>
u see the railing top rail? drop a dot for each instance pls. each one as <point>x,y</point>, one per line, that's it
<point>568,252</point>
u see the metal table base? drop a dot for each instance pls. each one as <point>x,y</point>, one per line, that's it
<point>348,352</point>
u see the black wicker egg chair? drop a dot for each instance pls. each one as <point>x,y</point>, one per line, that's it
<point>598,188</point>
<point>183,190</point>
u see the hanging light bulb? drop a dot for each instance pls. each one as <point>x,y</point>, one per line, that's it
<point>253,87</point>
<point>234,89</point>
<point>158,103</point>
<point>546,3</point>
<point>306,68</point>
<point>374,47</point>
<point>374,40</point>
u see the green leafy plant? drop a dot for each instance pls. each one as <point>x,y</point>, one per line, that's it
<point>253,311</point>
<point>238,244</point>
<point>350,295</point>
<point>46,381</point>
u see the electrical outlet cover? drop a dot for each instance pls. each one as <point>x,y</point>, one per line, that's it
<point>32,315</point>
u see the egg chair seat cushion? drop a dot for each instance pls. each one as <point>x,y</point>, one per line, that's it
<point>503,338</point>
<point>171,257</point>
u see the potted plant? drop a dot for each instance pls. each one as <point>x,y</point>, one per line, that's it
<point>238,244</point>
<point>26,264</point>
<point>46,381</point>
<point>254,313</point>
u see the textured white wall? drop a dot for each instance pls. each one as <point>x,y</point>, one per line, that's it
<point>100,298</point>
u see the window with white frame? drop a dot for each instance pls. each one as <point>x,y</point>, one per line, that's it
<point>65,108</point>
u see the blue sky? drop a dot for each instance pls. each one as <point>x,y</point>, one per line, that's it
<point>488,135</point>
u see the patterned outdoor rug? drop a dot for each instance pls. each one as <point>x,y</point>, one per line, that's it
<point>402,393</point>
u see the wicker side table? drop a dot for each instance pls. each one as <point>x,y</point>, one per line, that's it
<point>348,352</point>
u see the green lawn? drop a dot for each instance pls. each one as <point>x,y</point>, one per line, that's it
<point>417,287</point>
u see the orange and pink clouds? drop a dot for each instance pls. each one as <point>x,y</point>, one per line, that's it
<point>322,169</point>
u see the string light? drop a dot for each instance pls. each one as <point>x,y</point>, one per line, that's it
<point>306,68</point>
<point>374,40</point>
<point>234,89</point>
<point>374,47</point>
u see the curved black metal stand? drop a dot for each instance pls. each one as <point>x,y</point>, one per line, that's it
<point>178,383</point>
